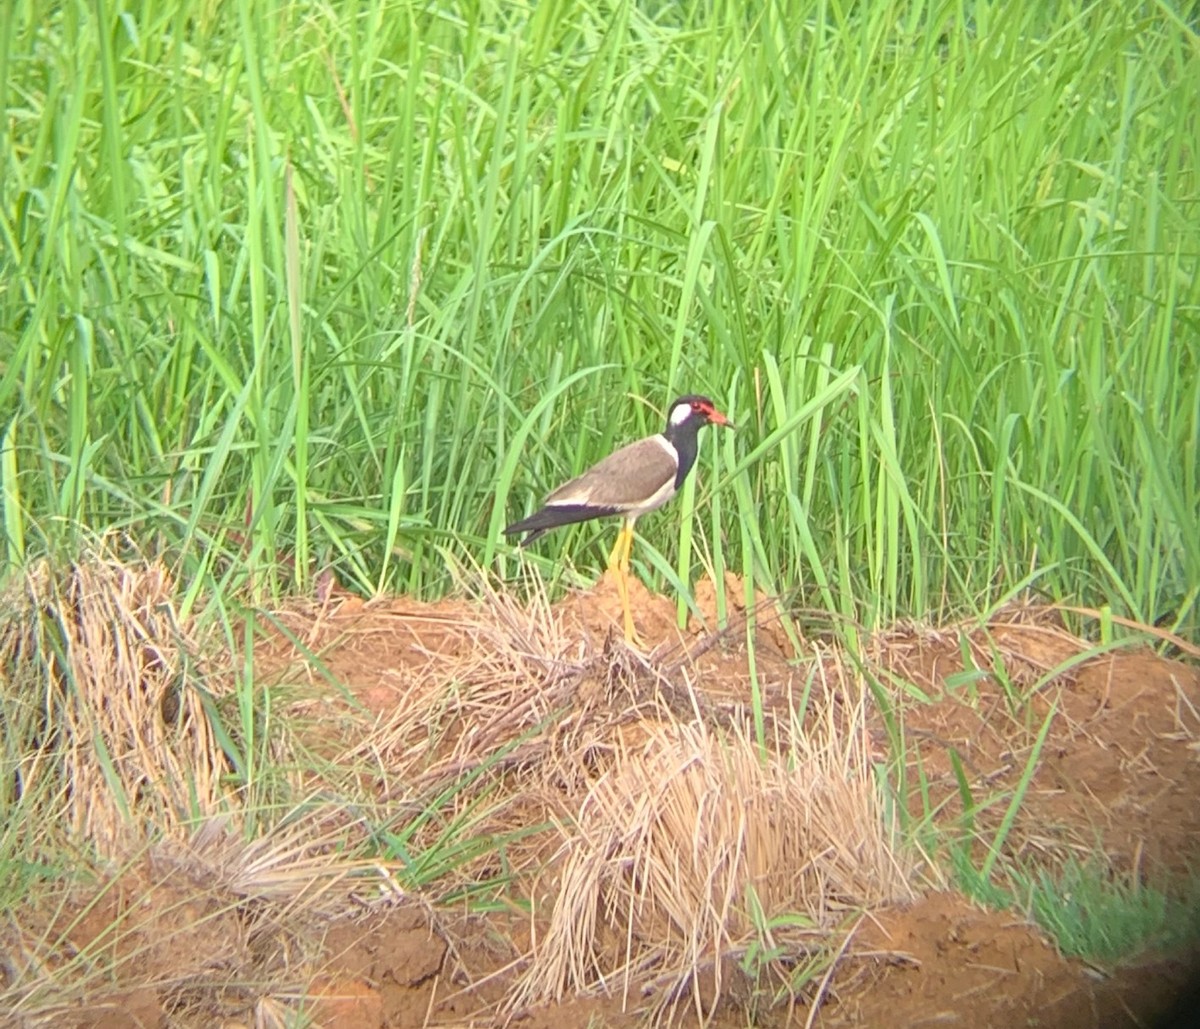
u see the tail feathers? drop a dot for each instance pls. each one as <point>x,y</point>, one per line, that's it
<point>552,516</point>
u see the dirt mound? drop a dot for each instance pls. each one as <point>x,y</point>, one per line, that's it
<point>943,961</point>
<point>1117,773</point>
<point>625,801</point>
<point>938,961</point>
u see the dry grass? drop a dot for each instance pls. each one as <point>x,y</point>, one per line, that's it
<point>118,788</point>
<point>196,929</point>
<point>685,843</point>
<point>673,858</point>
<point>672,847</point>
<point>692,844</point>
<point>102,691</point>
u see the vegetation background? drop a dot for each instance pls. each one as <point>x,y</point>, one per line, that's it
<point>289,286</point>
<point>296,287</point>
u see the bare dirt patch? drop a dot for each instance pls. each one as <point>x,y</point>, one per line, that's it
<point>404,700</point>
<point>944,961</point>
<point>1118,770</point>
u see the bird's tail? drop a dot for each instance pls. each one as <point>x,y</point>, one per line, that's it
<point>552,516</point>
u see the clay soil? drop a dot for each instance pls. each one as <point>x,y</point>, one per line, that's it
<point>1117,778</point>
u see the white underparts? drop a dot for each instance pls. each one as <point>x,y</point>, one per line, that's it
<point>665,493</point>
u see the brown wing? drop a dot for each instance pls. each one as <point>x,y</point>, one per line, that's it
<point>628,479</point>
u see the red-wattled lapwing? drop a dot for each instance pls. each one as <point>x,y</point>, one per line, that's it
<point>636,479</point>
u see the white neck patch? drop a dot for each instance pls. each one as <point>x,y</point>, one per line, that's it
<point>680,413</point>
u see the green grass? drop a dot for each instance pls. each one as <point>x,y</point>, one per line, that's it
<point>1109,917</point>
<point>353,285</point>
<point>286,287</point>
<point>1091,911</point>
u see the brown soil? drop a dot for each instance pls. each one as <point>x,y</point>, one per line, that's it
<point>1117,772</point>
<point>1116,776</point>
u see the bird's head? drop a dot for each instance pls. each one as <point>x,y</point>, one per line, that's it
<point>695,411</point>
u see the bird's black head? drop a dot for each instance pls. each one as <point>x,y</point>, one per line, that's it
<point>689,413</point>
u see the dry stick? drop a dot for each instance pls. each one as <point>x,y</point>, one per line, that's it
<point>1129,623</point>
<point>815,1006</point>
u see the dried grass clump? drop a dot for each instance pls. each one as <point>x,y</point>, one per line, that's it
<point>101,702</point>
<point>196,932</point>
<point>502,722</point>
<point>684,850</point>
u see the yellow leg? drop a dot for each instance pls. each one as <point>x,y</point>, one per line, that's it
<point>618,564</point>
<point>618,559</point>
<point>614,558</point>
<point>631,635</point>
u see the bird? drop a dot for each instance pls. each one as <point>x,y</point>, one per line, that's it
<point>638,478</point>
